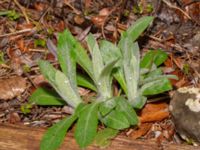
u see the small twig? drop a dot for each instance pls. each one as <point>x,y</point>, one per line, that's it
<point>17,32</point>
<point>74,9</point>
<point>37,50</point>
<point>160,41</point>
<point>23,11</point>
<point>177,8</point>
<point>44,14</point>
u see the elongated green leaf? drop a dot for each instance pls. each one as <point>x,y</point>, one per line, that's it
<point>124,107</point>
<point>65,89</point>
<point>86,127</point>
<point>156,57</point>
<point>105,80</point>
<point>158,77</point>
<point>107,106</point>
<point>97,59</point>
<point>131,68</point>
<point>48,71</point>
<point>81,55</point>
<point>67,58</point>
<point>56,134</point>
<point>103,137</point>
<point>154,73</point>
<point>116,120</point>
<point>119,76</point>
<point>110,52</point>
<point>137,28</point>
<point>44,96</point>
<point>140,102</point>
<point>60,83</point>
<point>84,81</point>
<point>156,87</point>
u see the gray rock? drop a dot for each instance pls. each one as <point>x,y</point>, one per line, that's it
<point>185,111</point>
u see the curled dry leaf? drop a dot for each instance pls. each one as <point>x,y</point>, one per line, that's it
<point>142,130</point>
<point>12,87</point>
<point>154,112</point>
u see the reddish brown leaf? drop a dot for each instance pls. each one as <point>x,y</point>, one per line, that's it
<point>60,26</point>
<point>154,112</point>
<point>142,130</point>
<point>21,45</point>
<point>39,6</point>
<point>24,26</point>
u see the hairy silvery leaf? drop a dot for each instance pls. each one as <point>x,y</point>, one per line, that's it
<point>67,58</point>
<point>154,73</point>
<point>82,57</point>
<point>109,53</point>
<point>105,81</point>
<point>86,127</point>
<point>48,71</point>
<point>157,77</point>
<point>131,68</point>
<point>97,60</point>
<point>65,89</point>
<point>43,96</point>
<point>136,29</point>
<point>60,83</point>
<point>141,101</point>
<point>156,87</point>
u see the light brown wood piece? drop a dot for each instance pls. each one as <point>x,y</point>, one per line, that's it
<point>14,137</point>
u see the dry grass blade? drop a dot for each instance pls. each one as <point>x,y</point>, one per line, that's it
<point>12,87</point>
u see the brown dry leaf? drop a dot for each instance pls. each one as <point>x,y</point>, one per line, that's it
<point>179,62</point>
<point>88,4</point>
<point>104,12</point>
<point>22,26</point>
<point>60,26</point>
<point>12,87</point>
<point>169,63</point>
<point>21,45</point>
<point>98,20</point>
<point>154,112</point>
<point>142,130</point>
<point>39,6</point>
<point>39,79</point>
<point>79,19</point>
